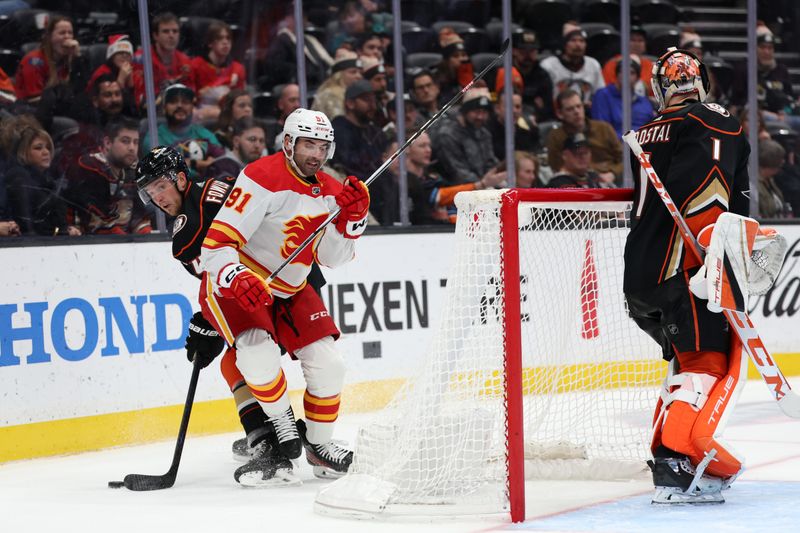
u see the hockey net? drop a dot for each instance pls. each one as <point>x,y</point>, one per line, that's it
<point>535,367</point>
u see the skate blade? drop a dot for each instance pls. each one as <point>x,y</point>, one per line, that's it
<point>239,458</point>
<point>284,477</point>
<point>322,472</point>
<point>674,496</point>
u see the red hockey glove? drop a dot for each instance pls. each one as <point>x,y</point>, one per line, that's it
<point>354,204</point>
<point>248,288</point>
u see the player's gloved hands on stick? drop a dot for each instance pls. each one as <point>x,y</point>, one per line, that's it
<point>354,204</point>
<point>248,288</point>
<point>203,342</point>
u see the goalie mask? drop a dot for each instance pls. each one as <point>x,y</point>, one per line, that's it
<point>311,125</point>
<point>678,72</point>
<point>160,162</point>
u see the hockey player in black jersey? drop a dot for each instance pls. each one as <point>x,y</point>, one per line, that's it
<point>700,153</point>
<point>162,179</point>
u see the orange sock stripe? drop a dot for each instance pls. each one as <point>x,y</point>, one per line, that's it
<point>270,392</point>
<point>321,409</point>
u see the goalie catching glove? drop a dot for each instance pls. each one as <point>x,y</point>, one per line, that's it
<point>741,259</point>
<point>203,342</point>
<point>248,288</point>
<point>354,204</point>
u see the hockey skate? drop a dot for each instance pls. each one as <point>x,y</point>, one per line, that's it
<point>288,438</point>
<point>269,467</point>
<point>678,482</point>
<point>329,460</point>
<point>241,451</point>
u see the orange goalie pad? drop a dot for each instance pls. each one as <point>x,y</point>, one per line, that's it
<point>694,432</point>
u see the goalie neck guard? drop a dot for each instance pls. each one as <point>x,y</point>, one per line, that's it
<point>678,72</point>
<point>309,124</point>
<point>160,162</point>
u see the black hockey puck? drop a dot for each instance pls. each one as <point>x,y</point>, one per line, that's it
<point>116,484</point>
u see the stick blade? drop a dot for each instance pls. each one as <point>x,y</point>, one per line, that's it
<point>790,404</point>
<point>142,482</point>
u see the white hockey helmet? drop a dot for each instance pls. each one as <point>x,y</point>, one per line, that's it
<point>678,72</point>
<point>309,124</point>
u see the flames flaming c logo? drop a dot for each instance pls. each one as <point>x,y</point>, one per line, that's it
<point>297,230</point>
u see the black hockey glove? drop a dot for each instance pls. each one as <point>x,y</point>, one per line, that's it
<point>203,341</point>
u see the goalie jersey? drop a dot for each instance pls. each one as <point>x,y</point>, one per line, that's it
<point>700,154</point>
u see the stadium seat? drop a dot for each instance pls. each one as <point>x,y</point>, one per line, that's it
<point>96,53</point>
<point>660,37</point>
<point>601,11</point>
<point>545,128</point>
<point>458,26</point>
<point>475,40</point>
<point>425,60</point>
<point>476,12</point>
<point>654,11</point>
<point>24,25</point>
<point>9,59</point>
<point>480,61</point>
<point>546,18</point>
<point>418,39</point>
<point>602,40</point>
<point>494,32</point>
<point>264,104</point>
<point>27,47</point>
<point>423,12</point>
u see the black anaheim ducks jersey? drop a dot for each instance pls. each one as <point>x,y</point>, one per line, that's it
<point>700,154</point>
<point>201,202</point>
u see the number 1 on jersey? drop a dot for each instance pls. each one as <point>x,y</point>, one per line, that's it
<point>234,196</point>
<point>716,148</point>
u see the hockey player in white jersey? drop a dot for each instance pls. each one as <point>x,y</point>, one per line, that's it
<point>277,202</point>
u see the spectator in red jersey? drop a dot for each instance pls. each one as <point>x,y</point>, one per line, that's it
<point>102,184</point>
<point>118,66</point>
<point>216,73</point>
<point>56,61</point>
<point>236,105</point>
<point>170,66</point>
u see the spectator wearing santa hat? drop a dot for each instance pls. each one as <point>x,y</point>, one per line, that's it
<point>119,66</point>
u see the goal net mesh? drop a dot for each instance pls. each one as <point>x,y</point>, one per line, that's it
<point>589,376</point>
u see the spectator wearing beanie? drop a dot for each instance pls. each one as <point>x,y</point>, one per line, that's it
<point>607,104</point>
<point>573,69</point>
<point>455,70</point>
<point>537,86</point>
<point>463,145</point>
<point>346,70</point>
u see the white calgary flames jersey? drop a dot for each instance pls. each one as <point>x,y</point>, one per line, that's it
<point>269,212</point>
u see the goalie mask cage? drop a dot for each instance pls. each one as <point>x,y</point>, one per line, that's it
<point>536,371</point>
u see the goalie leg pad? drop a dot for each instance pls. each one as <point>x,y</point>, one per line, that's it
<point>713,418</point>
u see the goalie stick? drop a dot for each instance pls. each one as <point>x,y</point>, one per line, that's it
<point>142,482</point>
<point>388,162</point>
<point>779,387</point>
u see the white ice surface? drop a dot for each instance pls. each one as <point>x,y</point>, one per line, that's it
<point>70,493</point>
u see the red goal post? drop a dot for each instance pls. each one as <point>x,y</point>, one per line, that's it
<point>535,370</point>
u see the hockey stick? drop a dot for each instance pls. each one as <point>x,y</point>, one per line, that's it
<point>782,392</point>
<point>394,156</point>
<point>141,482</point>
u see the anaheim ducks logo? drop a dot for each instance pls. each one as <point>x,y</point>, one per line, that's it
<point>297,230</point>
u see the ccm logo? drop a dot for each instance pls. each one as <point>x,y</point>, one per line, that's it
<point>315,316</point>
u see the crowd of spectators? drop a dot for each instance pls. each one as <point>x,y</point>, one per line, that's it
<point>73,123</point>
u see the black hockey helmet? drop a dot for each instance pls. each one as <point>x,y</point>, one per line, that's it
<point>160,162</point>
